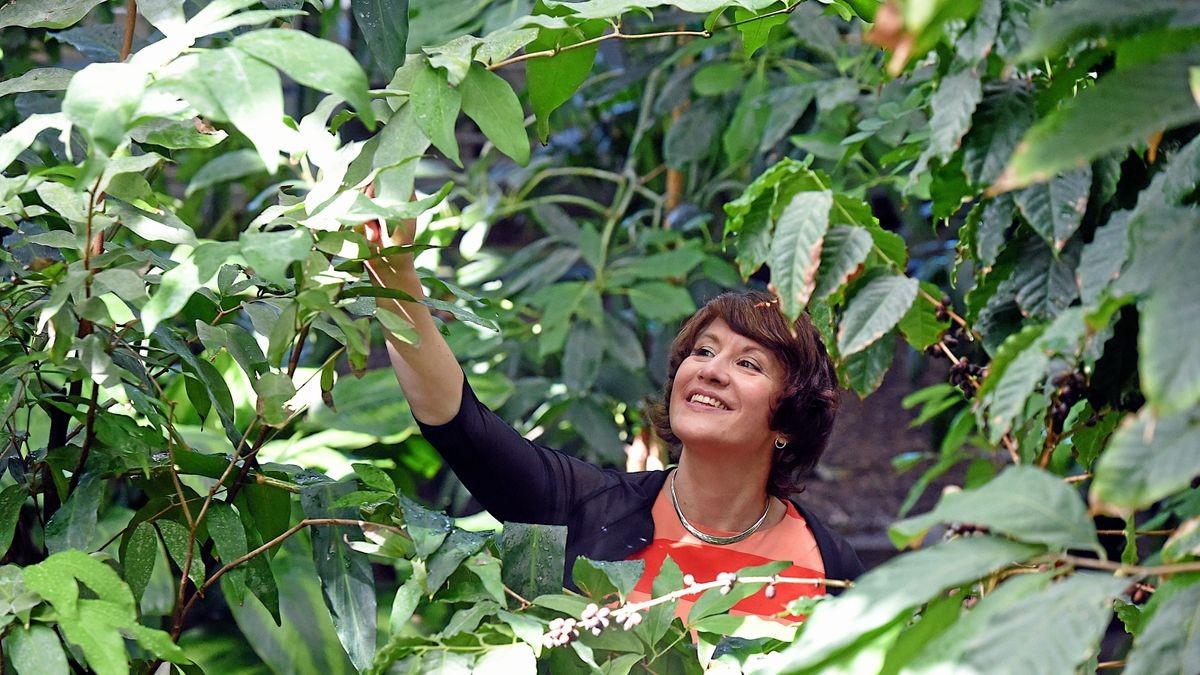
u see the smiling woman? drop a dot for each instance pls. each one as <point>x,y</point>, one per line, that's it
<point>749,401</point>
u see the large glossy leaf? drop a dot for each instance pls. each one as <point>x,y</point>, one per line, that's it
<point>552,81</point>
<point>138,558</point>
<point>863,371</point>
<point>845,249</point>
<point>175,538</point>
<point>384,24</point>
<point>532,558</point>
<point>1024,502</point>
<point>880,596</point>
<point>36,650</point>
<point>1001,119</point>
<point>1148,458</point>
<point>11,500</point>
<point>312,62</point>
<point>347,583</point>
<point>1054,209</point>
<point>1123,107</point>
<point>1066,23</point>
<point>796,248</point>
<point>229,538</point>
<point>459,546</point>
<point>952,106</point>
<point>37,79</point>
<point>102,99</point>
<point>74,523</point>
<point>250,96</point>
<point>399,141</point>
<point>39,14</point>
<point>874,310</point>
<point>435,107</point>
<point>1170,643</point>
<point>491,103</point>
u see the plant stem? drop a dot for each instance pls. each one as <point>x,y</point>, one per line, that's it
<point>177,629</point>
<point>130,24</point>
<point>88,437</point>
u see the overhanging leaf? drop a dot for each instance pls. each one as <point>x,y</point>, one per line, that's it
<point>74,524</point>
<point>796,249</point>
<point>491,103</point>
<point>1170,643</point>
<point>384,25</point>
<point>1026,503</point>
<point>532,558</point>
<point>874,310</point>
<point>435,107</point>
<point>1055,209</point>
<point>844,251</point>
<point>1148,458</point>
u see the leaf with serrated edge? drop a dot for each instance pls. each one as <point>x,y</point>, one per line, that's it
<point>796,248</point>
<point>874,310</point>
<point>1148,458</point>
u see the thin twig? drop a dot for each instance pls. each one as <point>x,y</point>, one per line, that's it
<point>178,627</point>
<point>1077,479</point>
<point>130,25</point>
<point>1129,570</point>
<point>88,438</point>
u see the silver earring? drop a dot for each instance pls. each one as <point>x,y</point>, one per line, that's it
<point>780,444</point>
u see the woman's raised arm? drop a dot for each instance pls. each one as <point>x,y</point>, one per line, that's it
<point>428,372</point>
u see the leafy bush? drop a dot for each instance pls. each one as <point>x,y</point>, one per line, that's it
<point>183,297</point>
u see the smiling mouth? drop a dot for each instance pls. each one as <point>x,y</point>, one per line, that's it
<point>707,401</point>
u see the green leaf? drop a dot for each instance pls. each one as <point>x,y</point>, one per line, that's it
<point>874,310</point>
<point>313,62</point>
<point>796,249</point>
<point>224,168</point>
<point>175,538</point>
<point>897,586</point>
<point>74,523</point>
<point>952,106</point>
<point>1026,503</point>
<point>716,78</point>
<point>20,137</point>
<point>514,658</point>
<point>1065,24</point>
<point>459,546</point>
<point>741,135</point>
<point>260,578</point>
<point>435,107</point>
<point>55,580</point>
<point>197,268</point>
<point>532,558</point>
<point>428,529</point>
<point>491,103</point>
<point>487,567</point>
<point>384,25</point>
<point>229,538</point>
<point>661,301</point>
<point>101,101</point>
<point>1055,209</point>
<point>347,583</point>
<point>1013,388</point>
<point>844,251</point>
<point>599,579</point>
<point>1003,116</point>
<point>1185,542</point>
<point>36,650</point>
<point>238,341</point>
<point>920,324</point>
<point>95,633</point>
<point>582,356</point>
<point>1148,458</point>
<point>139,557</point>
<point>274,390</point>
<point>38,14</point>
<point>159,226</point>
<point>1101,260</point>
<point>552,81</point>
<point>11,500</point>
<point>408,596</point>
<point>374,477</point>
<point>1169,643</point>
<point>755,33</point>
<point>250,96</point>
<point>271,253</point>
<point>1123,107</point>
<point>864,371</point>
<point>690,137</point>
<point>37,79</point>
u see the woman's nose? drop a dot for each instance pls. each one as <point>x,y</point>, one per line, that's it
<point>714,370</point>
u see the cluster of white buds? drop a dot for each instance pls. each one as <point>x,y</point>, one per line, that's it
<point>561,632</point>
<point>728,579</point>
<point>627,617</point>
<point>594,618</point>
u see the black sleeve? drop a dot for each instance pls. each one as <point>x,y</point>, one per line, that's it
<point>515,479</point>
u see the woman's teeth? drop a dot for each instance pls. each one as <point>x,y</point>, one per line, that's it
<point>707,400</point>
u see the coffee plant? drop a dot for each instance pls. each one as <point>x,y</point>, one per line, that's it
<point>193,426</point>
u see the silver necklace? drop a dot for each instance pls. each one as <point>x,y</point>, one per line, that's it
<point>712,539</point>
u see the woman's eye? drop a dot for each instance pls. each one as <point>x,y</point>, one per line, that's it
<point>702,351</point>
<point>751,365</point>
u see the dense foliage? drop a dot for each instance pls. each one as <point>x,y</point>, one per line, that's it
<point>188,399</point>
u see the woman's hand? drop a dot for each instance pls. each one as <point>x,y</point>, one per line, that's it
<point>427,371</point>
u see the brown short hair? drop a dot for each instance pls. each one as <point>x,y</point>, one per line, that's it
<point>808,404</point>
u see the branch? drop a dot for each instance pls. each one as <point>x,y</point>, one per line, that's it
<point>178,628</point>
<point>130,24</point>
<point>1120,569</point>
<point>618,35</point>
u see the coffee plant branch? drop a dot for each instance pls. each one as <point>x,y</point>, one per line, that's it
<point>618,35</point>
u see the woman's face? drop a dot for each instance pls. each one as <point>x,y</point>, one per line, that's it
<point>724,393</point>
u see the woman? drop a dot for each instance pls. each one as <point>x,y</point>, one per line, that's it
<point>750,400</point>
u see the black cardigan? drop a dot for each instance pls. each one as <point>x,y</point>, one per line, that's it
<point>607,512</point>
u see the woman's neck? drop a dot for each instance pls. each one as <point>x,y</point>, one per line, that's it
<point>717,494</point>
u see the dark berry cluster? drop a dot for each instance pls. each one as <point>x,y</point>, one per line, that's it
<point>943,309</point>
<point>1070,388</point>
